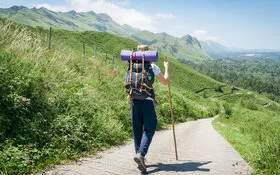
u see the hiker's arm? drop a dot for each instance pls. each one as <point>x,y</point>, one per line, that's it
<point>161,78</point>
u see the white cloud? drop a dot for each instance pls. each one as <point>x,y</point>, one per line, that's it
<point>117,12</point>
<point>165,15</point>
<point>124,2</point>
<point>204,35</point>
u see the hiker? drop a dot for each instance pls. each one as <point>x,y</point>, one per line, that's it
<point>143,115</point>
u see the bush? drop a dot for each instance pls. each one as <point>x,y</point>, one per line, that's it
<point>249,104</point>
<point>227,110</point>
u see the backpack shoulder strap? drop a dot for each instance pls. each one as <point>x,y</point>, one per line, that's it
<point>143,70</point>
<point>130,72</point>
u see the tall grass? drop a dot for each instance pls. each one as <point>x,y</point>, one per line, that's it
<point>269,154</point>
<point>49,110</point>
<point>253,129</point>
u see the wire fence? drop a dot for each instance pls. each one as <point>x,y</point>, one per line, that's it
<point>110,59</point>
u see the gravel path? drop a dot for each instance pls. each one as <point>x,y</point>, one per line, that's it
<point>201,150</point>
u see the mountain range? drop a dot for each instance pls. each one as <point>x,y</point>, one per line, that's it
<point>213,47</point>
<point>71,20</point>
<point>185,48</point>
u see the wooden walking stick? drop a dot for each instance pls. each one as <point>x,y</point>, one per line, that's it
<point>171,111</point>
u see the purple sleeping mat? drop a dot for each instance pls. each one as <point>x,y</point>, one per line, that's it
<point>150,56</point>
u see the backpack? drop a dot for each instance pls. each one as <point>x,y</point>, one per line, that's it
<point>139,79</point>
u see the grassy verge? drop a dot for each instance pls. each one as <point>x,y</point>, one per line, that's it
<point>252,127</point>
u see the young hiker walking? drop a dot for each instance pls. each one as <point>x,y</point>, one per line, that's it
<point>142,100</point>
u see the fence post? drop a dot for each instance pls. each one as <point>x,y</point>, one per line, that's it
<point>94,50</point>
<point>50,38</point>
<point>84,48</point>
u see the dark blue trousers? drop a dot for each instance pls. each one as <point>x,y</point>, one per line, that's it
<point>144,122</point>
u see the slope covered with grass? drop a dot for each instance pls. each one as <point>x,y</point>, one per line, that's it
<point>251,123</point>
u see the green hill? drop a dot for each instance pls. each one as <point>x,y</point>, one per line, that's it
<point>185,48</point>
<point>65,20</point>
<point>60,104</point>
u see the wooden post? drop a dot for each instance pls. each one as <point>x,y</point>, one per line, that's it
<point>84,48</point>
<point>94,50</point>
<point>50,38</point>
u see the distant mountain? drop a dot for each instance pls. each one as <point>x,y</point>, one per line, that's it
<point>66,20</point>
<point>235,49</point>
<point>185,48</point>
<point>213,47</point>
<point>130,29</point>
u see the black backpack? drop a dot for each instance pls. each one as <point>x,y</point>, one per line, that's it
<point>139,79</point>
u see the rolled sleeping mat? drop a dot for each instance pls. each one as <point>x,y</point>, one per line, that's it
<point>150,55</point>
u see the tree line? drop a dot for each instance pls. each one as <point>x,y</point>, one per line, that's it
<point>257,72</point>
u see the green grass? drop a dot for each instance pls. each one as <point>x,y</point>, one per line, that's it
<point>54,105</point>
<point>253,130</point>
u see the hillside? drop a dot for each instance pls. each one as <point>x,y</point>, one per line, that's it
<point>60,104</point>
<point>65,20</point>
<point>185,48</point>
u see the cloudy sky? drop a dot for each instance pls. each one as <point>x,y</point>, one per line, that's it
<point>251,24</point>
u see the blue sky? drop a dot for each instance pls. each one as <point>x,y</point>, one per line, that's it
<point>251,24</point>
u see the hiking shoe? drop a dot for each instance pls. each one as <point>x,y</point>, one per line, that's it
<point>140,161</point>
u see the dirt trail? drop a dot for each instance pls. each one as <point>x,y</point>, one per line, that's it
<point>201,150</point>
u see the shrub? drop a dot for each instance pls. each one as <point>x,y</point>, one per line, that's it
<point>227,110</point>
<point>249,104</point>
